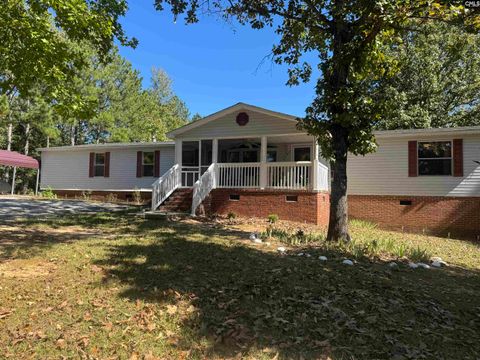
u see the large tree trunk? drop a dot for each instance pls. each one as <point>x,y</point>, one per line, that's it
<point>337,80</point>
<point>338,221</point>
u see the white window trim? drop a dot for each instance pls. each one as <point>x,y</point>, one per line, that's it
<point>436,158</point>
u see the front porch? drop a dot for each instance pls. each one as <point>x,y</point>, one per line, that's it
<point>283,164</point>
<point>242,149</point>
<point>276,162</point>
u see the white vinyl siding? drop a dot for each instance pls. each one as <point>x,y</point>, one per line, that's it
<point>226,127</point>
<point>385,172</point>
<point>68,170</point>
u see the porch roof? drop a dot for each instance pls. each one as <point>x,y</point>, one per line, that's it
<point>232,109</point>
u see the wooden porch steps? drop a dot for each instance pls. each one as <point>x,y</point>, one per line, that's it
<point>179,202</point>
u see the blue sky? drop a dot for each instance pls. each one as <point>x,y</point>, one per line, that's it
<point>212,64</point>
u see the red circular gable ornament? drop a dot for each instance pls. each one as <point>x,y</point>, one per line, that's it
<point>242,119</point>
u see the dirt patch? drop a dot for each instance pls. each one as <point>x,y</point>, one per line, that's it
<point>11,235</point>
<point>26,269</point>
<point>254,224</point>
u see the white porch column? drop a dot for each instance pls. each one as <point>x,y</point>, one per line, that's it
<point>215,151</point>
<point>263,163</point>
<point>178,152</point>
<point>315,151</point>
<point>215,161</point>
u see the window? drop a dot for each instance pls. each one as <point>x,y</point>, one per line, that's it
<point>250,156</point>
<point>242,155</point>
<point>301,153</point>
<point>99,164</point>
<point>147,163</point>
<point>435,158</point>
<point>272,156</point>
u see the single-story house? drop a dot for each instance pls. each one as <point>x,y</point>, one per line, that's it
<point>253,162</point>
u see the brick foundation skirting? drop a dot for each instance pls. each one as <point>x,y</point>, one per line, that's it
<point>459,216</point>
<point>101,195</point>
<point>309,207</point>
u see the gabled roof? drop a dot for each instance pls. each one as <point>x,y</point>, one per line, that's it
<point>232,109</point>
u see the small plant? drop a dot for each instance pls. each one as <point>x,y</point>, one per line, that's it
<point>363,224</point>
<point>297,238</point>
<point>231,216</point>
<point>400,251</point>
<point>111,197</point>
<point>86,195</point>
<point>137,196</point>
<point>272,219</point>
<point>419,254</point>
<point>48,193</point>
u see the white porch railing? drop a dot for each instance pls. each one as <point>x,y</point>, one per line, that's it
<point>238,175</point>
<point>165,186</point>
<point>189,175</point>
<point>278,175</point>
<point>202,187</point>
<point>288,175</point>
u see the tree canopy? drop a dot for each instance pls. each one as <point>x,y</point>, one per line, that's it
<point>437,83</point>
<point>349,38</point>
<point>37,38</point>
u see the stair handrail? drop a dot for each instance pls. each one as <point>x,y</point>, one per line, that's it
<point>202,187</point>
<point>165,186</point>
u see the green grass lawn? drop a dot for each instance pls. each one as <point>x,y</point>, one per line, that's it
<point>118,286</point>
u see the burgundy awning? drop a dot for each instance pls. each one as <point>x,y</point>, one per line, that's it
<point>12,158</point>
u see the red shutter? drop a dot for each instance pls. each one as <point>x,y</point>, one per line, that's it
<point>457,157</point>
<point>156,167</point>
<point>90,165</point>
<point>139,163</point>
<point>107,164</point>
<point>412,159</point>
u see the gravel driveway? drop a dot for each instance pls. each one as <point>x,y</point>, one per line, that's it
<point>11,207</point>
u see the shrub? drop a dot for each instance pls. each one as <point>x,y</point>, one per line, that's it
<point>48,193</point>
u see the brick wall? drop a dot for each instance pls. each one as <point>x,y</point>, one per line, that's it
<point>310,207</point>
<point>432,214</point>
<point>101,195</point>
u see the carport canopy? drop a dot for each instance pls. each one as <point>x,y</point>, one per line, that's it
<point>15,159</point>
<point>12,158</point>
